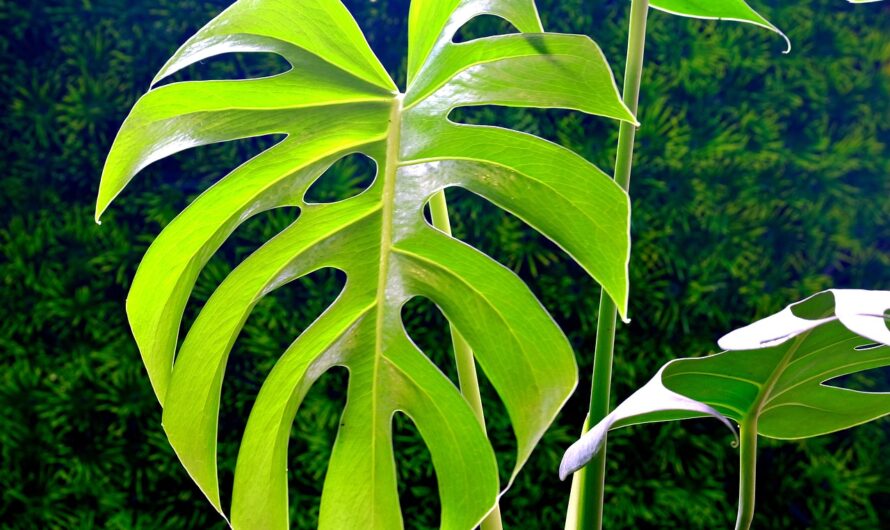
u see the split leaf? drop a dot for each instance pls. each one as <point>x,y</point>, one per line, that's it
<point>337,100</point>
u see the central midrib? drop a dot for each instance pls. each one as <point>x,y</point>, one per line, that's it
<point>766,392</point>
<point>390,169</point>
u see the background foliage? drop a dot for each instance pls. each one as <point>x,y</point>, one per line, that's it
<point>760,178</point>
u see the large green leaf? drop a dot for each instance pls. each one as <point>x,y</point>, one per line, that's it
<point>776,375</point>
<point>337,100</point>
<point>733,10</point>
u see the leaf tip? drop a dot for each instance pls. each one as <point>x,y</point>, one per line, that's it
<point>629,117</point>
<point>782,34</point>
<point>100,209</point>
<point>583,450</point>
<point>568,465</point>
<point>787,44</point>
<point>97,216</point>
<point>167,70</point>
<point>564,466</point>
<point>622,312</point>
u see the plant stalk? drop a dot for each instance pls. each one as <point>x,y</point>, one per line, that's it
<point>463,354</point>
<point>747,472</point>
<point>592,477</point>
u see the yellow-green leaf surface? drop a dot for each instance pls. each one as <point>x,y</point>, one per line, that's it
<point>775,375</point>
<point>732,10</point>
<point>337,100</point>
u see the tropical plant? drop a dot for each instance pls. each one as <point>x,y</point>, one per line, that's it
<point>777,379</point>
<point>335,101</point>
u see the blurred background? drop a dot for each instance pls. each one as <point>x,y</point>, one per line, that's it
<point>759,178</point>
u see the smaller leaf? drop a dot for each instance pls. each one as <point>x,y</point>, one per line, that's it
<point>773,375</point>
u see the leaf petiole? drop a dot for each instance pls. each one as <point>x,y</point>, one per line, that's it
<point>747,471</point>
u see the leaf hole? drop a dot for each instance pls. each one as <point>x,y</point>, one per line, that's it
<point>483,26</point>
<point>586,135</point>
<point>508,239</point>
<point>240,65</point>
<point>385,25</point>
<point>166,187</point>
<point>273,324</point>
<point>428,213</point>
<point>872,380</point>
<point>418,489</point>
<point>249,236</point>
<point>312,440</point>
<point>502,437</point>
<point>481,224</point>
<point>866,347</point>
<point>255,232</point>
<point>283,314</point>
<point>429,330</point>
<point>347,177</point>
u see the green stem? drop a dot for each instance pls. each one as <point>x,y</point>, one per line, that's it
<point>592,477</point>
<point>463,354</point>
<point>747,472</point>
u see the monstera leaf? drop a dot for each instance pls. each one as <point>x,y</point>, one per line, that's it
<point>775,377</point>
<point>338,100</point>
<point>735,10</point>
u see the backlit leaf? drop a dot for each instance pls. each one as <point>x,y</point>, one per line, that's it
<point>336,101</point>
